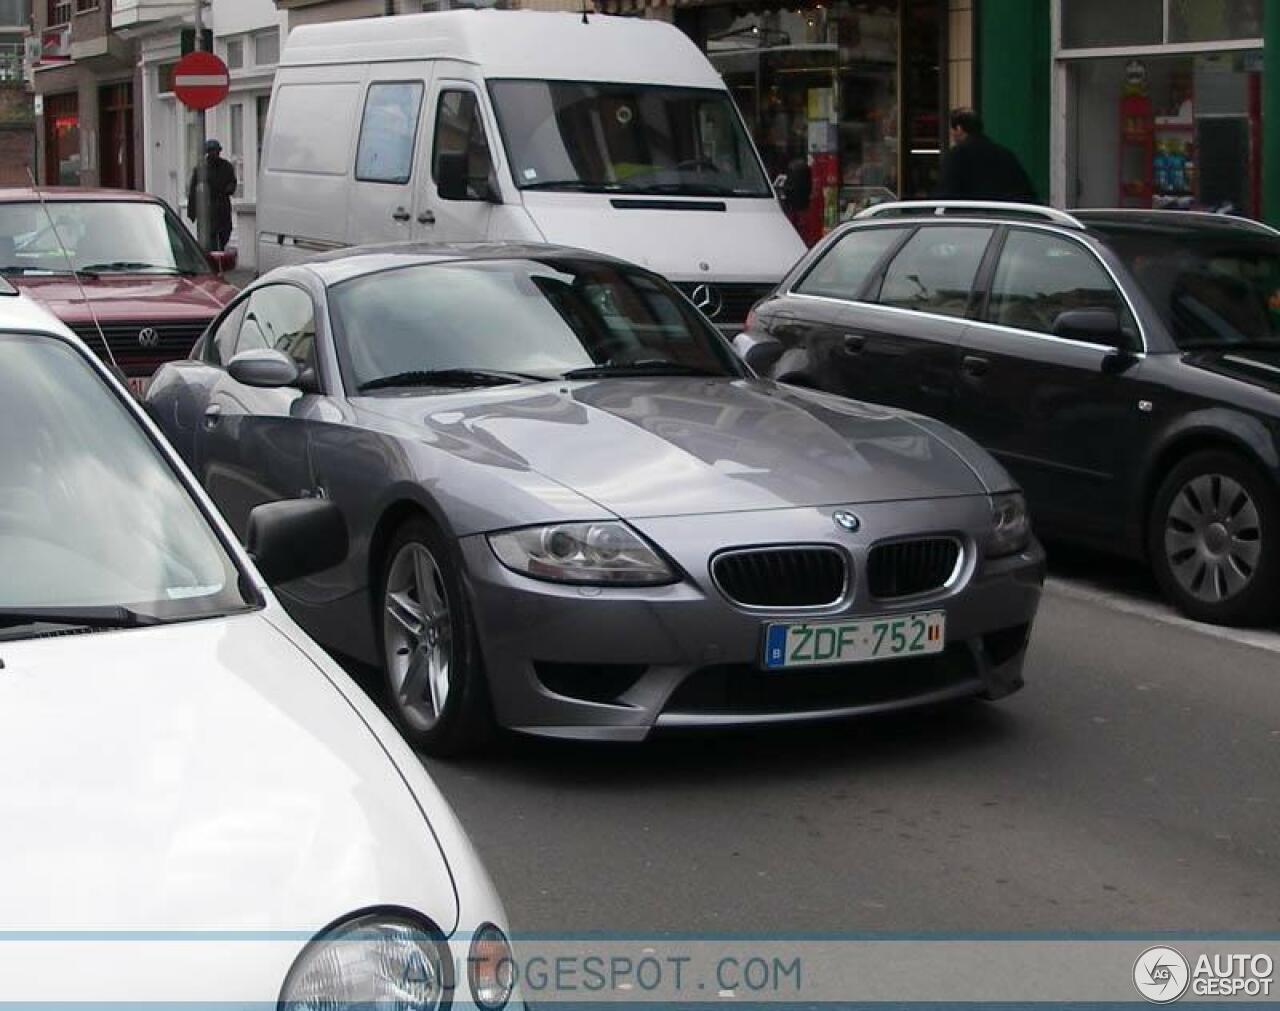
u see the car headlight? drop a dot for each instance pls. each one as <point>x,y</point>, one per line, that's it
<point>1010,526</point>
<point>378,960</point>
<point>491,969</point>
<point>606,553</point>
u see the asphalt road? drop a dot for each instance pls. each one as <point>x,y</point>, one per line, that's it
<point>1133,785</point>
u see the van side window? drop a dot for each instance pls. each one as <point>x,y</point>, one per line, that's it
<point>388,132</point>
<point>460,149</point>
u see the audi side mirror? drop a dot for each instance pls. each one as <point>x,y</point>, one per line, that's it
<point>1101,326</point>
<point>265,368</point>
<point>759,353</point>
<point>294,538</point>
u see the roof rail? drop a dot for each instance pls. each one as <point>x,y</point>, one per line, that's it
<point>1229,220</point>
<point>942,207</point>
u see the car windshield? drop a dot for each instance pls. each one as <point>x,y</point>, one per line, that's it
<point>91,514</point>
<point>98,236</point>
<point>1210,290</point>
<point>519,319</point>
<point>632,138</point>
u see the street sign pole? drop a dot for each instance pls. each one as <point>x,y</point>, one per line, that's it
<point>204,223</point>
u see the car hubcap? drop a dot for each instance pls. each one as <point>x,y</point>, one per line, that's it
<point>1213,538</point>
<point>419,636</point>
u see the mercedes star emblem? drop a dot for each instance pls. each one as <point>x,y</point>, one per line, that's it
<point>708,300</point>
<point>147,337</point>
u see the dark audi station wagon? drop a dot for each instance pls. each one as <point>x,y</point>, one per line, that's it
<point>1124,366</point>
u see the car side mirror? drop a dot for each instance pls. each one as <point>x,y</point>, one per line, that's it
<point>294,538</point>
<point>1101,326</point>
<point>224,260</point>
<point>759,353</point>
<point>265,368</point>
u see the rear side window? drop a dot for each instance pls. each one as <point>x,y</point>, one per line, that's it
<point>388,132</point>
<point>934,271</point>
<point>311,127</point>
<point>845,267</point>
<point>1041,276</point>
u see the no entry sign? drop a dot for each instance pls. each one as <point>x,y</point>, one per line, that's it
<point>200,80</point>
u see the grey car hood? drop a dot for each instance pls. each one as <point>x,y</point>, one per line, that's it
<point>675,446</point>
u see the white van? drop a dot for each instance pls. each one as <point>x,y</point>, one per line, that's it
<point>611,134</point>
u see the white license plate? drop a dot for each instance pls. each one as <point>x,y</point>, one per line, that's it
<point>823,643</point>
<point>139,384</point>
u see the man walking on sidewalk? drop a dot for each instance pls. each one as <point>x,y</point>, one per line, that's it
<point>222,187</point>
<point>977,168</point>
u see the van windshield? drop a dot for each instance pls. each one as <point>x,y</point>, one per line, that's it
<point>626,138</point>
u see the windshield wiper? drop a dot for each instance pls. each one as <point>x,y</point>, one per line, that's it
<point>577,185</point>
<point>89,616</point>
<point>123,266</point>
<point>643,367</point>
<point>692,189</point>
<point>450,377</point>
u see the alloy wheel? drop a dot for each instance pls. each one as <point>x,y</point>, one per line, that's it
<point>1213,537</point>
<point>418,636</point>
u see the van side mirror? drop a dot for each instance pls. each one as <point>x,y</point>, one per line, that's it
<point>265,368</point>
<point>454,183</point>
<point>759,353</point>
<point>294,538</point>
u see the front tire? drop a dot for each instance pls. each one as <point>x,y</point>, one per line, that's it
<point>1214,539</point>
<point>434,678</point>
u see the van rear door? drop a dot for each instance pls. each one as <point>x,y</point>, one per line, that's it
<point>386,205</point>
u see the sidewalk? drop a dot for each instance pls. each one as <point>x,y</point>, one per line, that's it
<point>240,276</point>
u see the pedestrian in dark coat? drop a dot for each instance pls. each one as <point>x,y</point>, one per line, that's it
<point>222,187</point>
<point>977,168</point>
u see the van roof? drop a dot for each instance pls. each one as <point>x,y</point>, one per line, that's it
<point>519,44</point>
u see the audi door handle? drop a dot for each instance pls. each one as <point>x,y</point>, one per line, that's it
<point>211,415</point>
<point>975,365</point>
<point>400,214</point>
<point>854,343</point>
<point>427,218</point>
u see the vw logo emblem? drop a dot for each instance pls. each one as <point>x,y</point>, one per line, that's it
<point>708,300</point>
<point>845,520</point>
<point>147,337</point>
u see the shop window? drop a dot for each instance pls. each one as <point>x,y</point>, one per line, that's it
<point>1202,21</point>
<point>1041,276</point>
<point>1094,23</point>
<point>62,140</point>
<point>266,48</point>
<point>934,271</point>
<point>388,132</point>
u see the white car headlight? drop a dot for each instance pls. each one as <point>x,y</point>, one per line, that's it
<point>378,960</point>
<point>1010,526</point>
<point>606,553</point>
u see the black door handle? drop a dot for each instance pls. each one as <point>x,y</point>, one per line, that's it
<point>975,365</point>
<point>853,343</point>
<point>400,214</point>
<point>212,414</point>
<point>427,217</point>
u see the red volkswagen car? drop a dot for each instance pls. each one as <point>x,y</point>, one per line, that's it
<point>114,265</point>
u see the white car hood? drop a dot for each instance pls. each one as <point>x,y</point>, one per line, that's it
<point>750,241</point>
<point>204,776</point>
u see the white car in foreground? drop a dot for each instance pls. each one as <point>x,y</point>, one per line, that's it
<point>197,804</point>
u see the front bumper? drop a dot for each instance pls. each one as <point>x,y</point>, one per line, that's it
<point>614,664</point>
